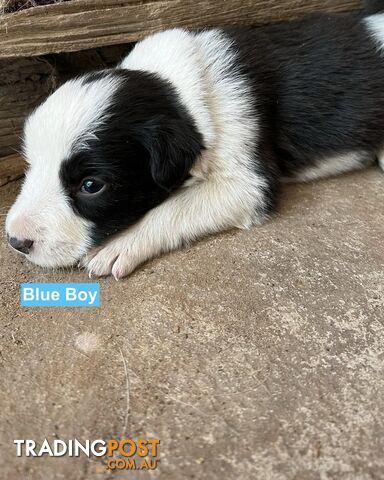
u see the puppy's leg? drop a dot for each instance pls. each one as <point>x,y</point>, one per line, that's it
<point>194,211</point>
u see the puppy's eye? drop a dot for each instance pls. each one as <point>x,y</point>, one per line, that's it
<point>91,186</point>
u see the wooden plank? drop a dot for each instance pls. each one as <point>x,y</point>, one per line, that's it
<point>84,24</point>
<point>11,168</point>
<point>24,83</point>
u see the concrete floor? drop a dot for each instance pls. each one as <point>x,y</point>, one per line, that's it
<point>252,355</point>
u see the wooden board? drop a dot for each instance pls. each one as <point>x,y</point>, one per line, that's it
<point>23,84</point>
<point>84,24</point>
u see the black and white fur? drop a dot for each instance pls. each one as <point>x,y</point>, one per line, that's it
<point>193,133</point>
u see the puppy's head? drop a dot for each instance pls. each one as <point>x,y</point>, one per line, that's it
<point>102,151</point>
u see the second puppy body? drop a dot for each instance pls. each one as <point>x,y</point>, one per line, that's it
<point>192,134</point>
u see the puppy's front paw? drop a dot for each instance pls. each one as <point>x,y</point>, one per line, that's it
<point>116,259</point>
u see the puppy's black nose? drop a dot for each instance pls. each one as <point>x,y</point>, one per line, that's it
<point>22,246</point>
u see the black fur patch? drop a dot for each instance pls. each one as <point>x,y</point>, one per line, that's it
<point>318,85</point>
<point>144,152</point>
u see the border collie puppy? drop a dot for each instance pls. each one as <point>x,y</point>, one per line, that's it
<point>192,134</point>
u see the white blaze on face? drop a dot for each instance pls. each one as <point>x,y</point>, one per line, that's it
<point>42,212</point>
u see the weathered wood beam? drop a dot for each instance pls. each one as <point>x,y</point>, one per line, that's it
<point>84,24</point>
<point>24,83</point>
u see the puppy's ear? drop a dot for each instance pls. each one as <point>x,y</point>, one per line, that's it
<point>173,147</point>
